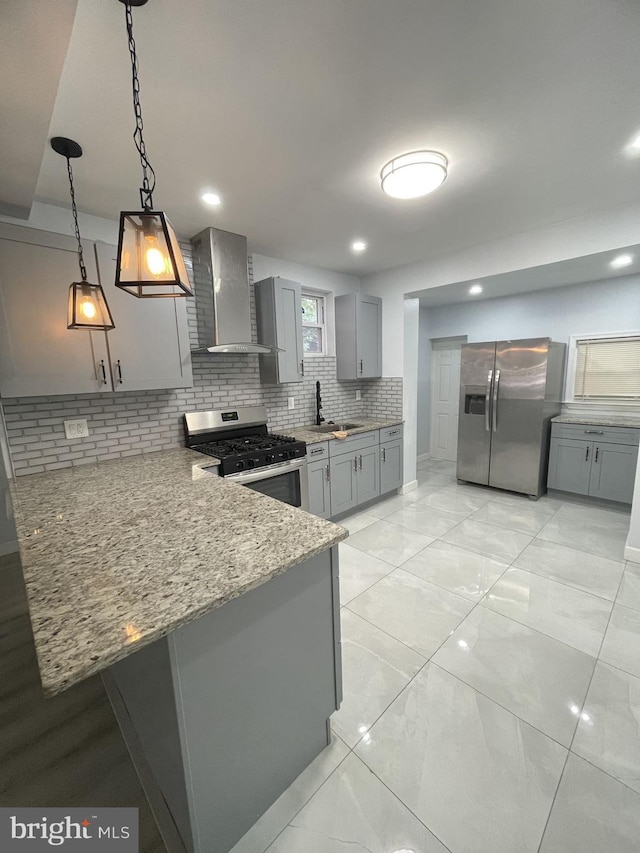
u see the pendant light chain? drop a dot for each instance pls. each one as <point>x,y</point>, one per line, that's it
<point>148,174</point>
<point>72,193</point>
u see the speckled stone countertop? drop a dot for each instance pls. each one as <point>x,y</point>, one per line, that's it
<point>306,433</point>
<point>119,554</point>
<point>599,420</point>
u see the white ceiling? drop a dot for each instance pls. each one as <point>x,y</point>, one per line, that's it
<point>288,109</point>
<point>589,268</point>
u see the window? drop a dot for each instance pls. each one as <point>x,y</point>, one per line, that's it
<point>607,368</point>
<point>314,332</point>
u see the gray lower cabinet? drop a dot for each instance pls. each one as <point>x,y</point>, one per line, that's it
<point>344,485</point>
<point>601,468</point>
<point>319,488</point>
<point>279,320</point>
<point>368,477</point>
<point>390,466</point>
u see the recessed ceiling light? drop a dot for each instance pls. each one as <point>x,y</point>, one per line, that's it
<point>358,246</point>
<point>475,289</point>
<point>211,198</point>
<point>414,175</point>
<point>622,261</point>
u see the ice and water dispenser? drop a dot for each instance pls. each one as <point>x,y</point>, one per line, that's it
<point>475,399</point>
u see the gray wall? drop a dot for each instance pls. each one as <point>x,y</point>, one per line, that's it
<point>605,306</point>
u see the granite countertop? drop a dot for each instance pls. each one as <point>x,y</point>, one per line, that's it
<point>119,554</point>
<point>599,420</point>
<point>306,433</point>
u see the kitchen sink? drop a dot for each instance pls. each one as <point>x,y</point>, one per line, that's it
<point>334,427</point>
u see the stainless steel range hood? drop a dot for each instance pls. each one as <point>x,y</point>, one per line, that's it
<point>221,285</point>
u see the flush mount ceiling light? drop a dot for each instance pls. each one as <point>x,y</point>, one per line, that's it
<point>150,263</point>
<point>358,246</point>
<point>88,307</point>
<point>621,261</point>
<point>413,175</point>
<point>211,198</point>
<point>475,289</point>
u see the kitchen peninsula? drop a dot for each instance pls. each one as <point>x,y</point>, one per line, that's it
<point>212,613</point>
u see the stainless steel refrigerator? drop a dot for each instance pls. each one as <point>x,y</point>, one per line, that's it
<point>509,391</point>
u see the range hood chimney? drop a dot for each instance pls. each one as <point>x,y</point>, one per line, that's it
<point>221,285</point>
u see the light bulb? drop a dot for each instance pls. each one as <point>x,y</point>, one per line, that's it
<point>88,309</point>
<point>154,259</point>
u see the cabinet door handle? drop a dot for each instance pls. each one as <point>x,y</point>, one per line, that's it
<point>597,453</point>
<point>361,365</point>
<point>594,432</point>
<point>302,368</point>
<point>360,461</point>
<point>586,457</point>
<point>104,372</point>
<point>327,474</point>
<point>119,369</point>
<point>384,454</point>
<point>355,463</point>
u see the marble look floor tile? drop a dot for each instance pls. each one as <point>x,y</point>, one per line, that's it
<point>621,645</point>
<point>592,813</point>
<point>390,542</point>
<point>464,572</point>
<point>357,521</point>
<point>459,502</point>
<point>424,519</point>
<point>434,478</point>
<point>375,668</point>
<point>424,490</point>
<point>412,610</point>
<point>629,593</point>
<point>542,681</point>
<point>608,733</point>
<point>503,545</point>
<point>595,531</point>
<point>354,811</point>
<point>358,571</point>
<point>475,774</point>
<point>386,507</point>
<point>524,519</point>
<point>546,502</point>
<point>288,804</point>
<point>569,615</point>
<point>589,572</point>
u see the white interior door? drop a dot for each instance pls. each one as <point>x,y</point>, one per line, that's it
<point>445,393</point>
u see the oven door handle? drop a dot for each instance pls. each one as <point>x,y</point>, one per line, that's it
<point>266,473</point>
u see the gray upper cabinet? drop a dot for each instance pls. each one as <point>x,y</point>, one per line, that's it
<point>279,319</point>
<point>358,336</point>
<point>149,347</point>
<point>595,461</point>
<point>38,355</point>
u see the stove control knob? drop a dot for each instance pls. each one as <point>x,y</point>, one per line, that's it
<point>251,463</point>
<point>269,458</point>
<point>239,465</point>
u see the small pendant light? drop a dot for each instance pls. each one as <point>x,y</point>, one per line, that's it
<point>88,307</point>
<point>150,263</point>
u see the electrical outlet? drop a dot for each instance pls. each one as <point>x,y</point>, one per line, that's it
<point>358,395</point>
<point>291,403</point>
<point>76,429</point>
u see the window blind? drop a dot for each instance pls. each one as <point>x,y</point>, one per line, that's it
<point>608,368</point>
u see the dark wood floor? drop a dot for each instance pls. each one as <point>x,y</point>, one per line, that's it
<point>63,751</point>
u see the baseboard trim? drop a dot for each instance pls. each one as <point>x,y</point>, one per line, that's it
<point>8,548</point>
<point>408,487</point>
<point>422,457</point>
<point>632,553</point>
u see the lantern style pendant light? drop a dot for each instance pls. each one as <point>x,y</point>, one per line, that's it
<point>88,307</point>
<point>150,263</point>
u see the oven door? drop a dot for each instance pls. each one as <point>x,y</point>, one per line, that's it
<point>285,481</point>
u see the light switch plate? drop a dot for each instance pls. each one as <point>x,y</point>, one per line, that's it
<point>291,403</point>
<point>76,429</point>
<point>358,395</point>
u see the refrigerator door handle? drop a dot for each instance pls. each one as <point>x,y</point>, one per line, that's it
<point>487,402</point>
<point>496,387</point>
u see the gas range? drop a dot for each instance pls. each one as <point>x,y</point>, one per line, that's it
<point>240,440</point>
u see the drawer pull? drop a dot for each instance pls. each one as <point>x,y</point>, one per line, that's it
<point>394,432</point>
<point>594,432</point>
<point>315,452</point>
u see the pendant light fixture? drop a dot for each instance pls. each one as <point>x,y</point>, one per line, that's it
<point>150,263</point>
<point>88,307</point>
